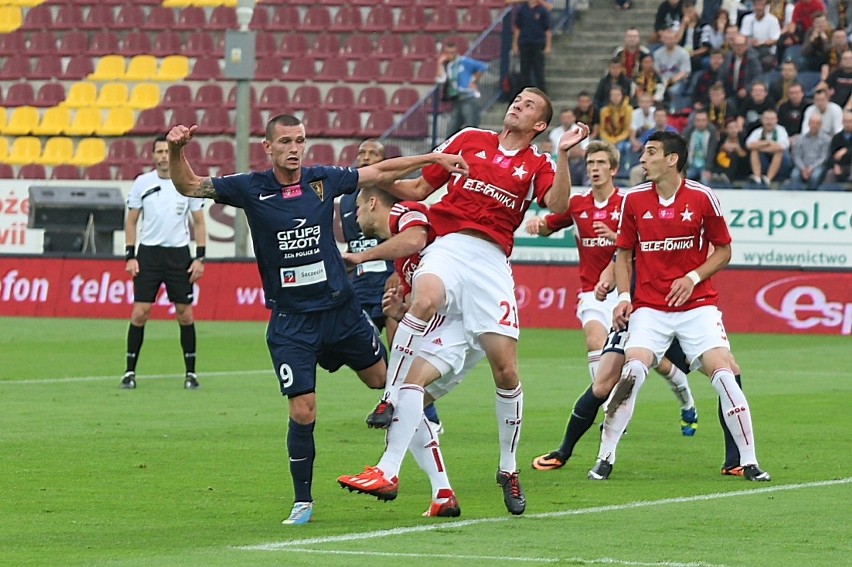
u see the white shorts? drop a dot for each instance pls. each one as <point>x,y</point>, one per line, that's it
<point>698,330</point>
<point>478,284</point>
<point>446,347</point>
<point>590,309</point>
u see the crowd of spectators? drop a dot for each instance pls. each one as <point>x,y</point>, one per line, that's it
<point>759,88</point>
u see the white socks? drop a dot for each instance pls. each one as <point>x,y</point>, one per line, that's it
<point>510,409</point>
<point>594,359</point>
<point>402,353</point>
<point>407,417</point>
<point>737,414</point>
<point>426,450</point>
<point>680,386</point>
<point>634,373</point>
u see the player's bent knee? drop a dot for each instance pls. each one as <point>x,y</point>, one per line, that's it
<point>303,408</point>
<point>374,376</point>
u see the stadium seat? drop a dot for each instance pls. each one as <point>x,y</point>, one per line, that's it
<point>103,43</point>
<point>78,68</point>
<point>69,17</point>
<point>89,151</point>
<point>275,98</point>
<point>222,18</point>
<point>284,19</point>
<point>53,122</point>
<point>185,116</point>
<point>191,18</point>
<point>47,67</point>
<point>333,70</point>
<point>339,97</point>
<point>192,151</point>
<point>257,122</point>
<point>389,47</point>
<point>141,68</point>
<point>444,19</point>
<point>159,19</point>
<point>270,69</point>
<point>130,17</point>
<point>292,45</point>
<point>49,94</point>
<point>136,43</point>
<point>65,171</point>
<point>15,67</point>
<point>412,19</point>
<point>209,95</point>
<point>325,45</point>
<point>476,19</point>
<point>316,121</point>
<point>317,19</point>
<point>25,149</point>
<point>231,100</point>
<point>300,69</point>
<point>109,68</point>
<point>144,95</point>
<point>177,95</point>
<point>118,122</point>
<point>4,142</point>
<point>145,157</point>
<point>81,94</point>
<point>422,46</point>
<point>37,18</point>
<point>214,122</point>
<point>346,124</point>
<point>72,43</point>
<point>21,121</point>
<point>259,19</point>
<point>12,43</point>
<point>57,149</point>
<point>378,123</point>
<point>425,73</point>
<point>112,94</point>
<point>319,154</point>
<point>199,44</point>
<point>122,150</point>
<point>129,171</point>
<point>179,3</point>
<point>11,19</point>
<point>41,43</point>
<point>371,98</point>
<point>206,69</point>
<point>20,94</point>
<point>265,45</point>
<point>173,68</point>
<point>415,125</point>
<point>258,160</point>
<point>379,19</point>
<point>32,171</point>
<point>348,155</point>
<point>358,46</point>
<point>403,98</point>
<point>305,97</point>
<point>220,154</point>
<point>488,50</point>
<point>366,70</point>
<point>6,171</point>
<point>86,120</point>
<point>99,17</point>
<point>346,20</point>
<point>399,71</point>
<point>150,121</point>
<point>98,172</point>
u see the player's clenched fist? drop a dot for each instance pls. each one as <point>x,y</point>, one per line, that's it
<point>179,135</point>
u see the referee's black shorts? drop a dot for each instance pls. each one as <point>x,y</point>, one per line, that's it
<point>163,264</point>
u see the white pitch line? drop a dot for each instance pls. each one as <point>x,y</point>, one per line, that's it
<point>72,379</point>
<point>502,558</point>
<point>276,546</point>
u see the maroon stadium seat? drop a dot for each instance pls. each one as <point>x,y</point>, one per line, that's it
<point>319,154</point>
<point>136,43</point>
<point>6,171</point>
<point>275,98</point>
<point>346,124</point>
<point>199,43</point>
<point>389,47</point>
<point>292,45</point>
<point>258,159</point>
<point>176,95</point>
<point>206,69</point>
<point>416,125</point>
<point>399,71</point>
<point>231,100</point>
<point>215,121</point>
<point>130,17</point>
<point>160,19</point>
<point>257,122</point>
<point>476,19</point>
<point>99,17</point>
<point>358,46</point>
<point>209,95</point>
<point>348,155</point>
<point>425,73</point>
<point>444,19</point>
<point>32,171</point>
<point>183,115</point>
<point>339,97</point>
<point>259,19</point>
<point>378,123</point>
<point>65,171</point>
<point>99,171</point>
<point>300,69</point>
<point>222,18</point>
<point>102,43</point>
<point>69,17</point>
<point>38,18</point>
<point>78,67</point>
<point>379,19</point>
<point>41,43</point>
<point>325,45</point>
<point>305,97</point>
<point>346,20</point>
<point>317,19</point>
<point>265,45</point>
<point>366,70</point>
<point>191,18</point>
<point>20,94</point>
<point>12,43</point>
<point>461,42</point>
<point>120,151</point>
<point>422,46</point>
<point>130,171</point>
<point>316,121</point>
<point>47,67</point>
<point>167,43</point>
<point>270,69</point>
<point>72,43</point>
<point>371,98</point>
<point>15,67</point>
<point>403,98</point>
<point>333,70</point>
<point>284,19</point>
<point>49,94</point>
<point>150,121</point>
<point>412,18</point>
<point>220,153</point>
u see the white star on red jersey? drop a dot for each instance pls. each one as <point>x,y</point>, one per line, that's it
<point>615,215</point>
<point>686,215</point>
<point>520,172</point>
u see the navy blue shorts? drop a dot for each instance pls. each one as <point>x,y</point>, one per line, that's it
<point>340,336</point>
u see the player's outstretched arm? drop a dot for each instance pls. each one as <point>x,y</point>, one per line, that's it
<point>185,180</point>
<point>384,173</point>
<point>557,197</point>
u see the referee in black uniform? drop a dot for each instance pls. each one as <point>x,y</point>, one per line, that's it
<point>163,256</point>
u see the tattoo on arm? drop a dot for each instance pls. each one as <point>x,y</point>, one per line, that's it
<point>206,189</point>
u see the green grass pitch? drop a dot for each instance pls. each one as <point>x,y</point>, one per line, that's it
<point>94,475</point>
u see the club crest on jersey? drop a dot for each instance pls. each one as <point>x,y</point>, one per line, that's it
<point>288,277</point>
<point>291,191</point>
<point>318,189</point>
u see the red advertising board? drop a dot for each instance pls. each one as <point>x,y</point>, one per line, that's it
<point>754,301</point>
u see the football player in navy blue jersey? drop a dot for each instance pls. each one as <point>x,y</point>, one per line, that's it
<point>315,317</point>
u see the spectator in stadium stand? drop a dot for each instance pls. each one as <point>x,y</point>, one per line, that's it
<point>751,109</point>
<point>791,112</point>
<point>706,78</point>
<point>832,114</point>
<point>631,52</point>
<point>768,148</point>
<point>587,113</point>
<point>460,271</point>
<point>567,120</point>
<point>532,41</point>
<point>671,62</point>
<point>668,16</point>
<point>720,109</point>
<point>789,75</point>
<point>810,157</point>
<point>649,81</point>
<point>763,30</point>
<point>731,164</point>
<point>840,150</point>
<point>616,123</point>
<point>674,296</point>
<point>643,121</point>
<point>817,44</point>
<point>713,33</point>
<point>740,69</point>
<point>162,257</point>
<point>703,142</point>
<point>804,14</point>
<point>614,77</point>
<point>689,35</point>
<point>840,81</point>
<point>315,318</point>
<point>459,77</point>
<point>839,46</point>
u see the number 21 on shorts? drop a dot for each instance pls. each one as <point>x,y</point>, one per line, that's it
<point>510,315</point>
